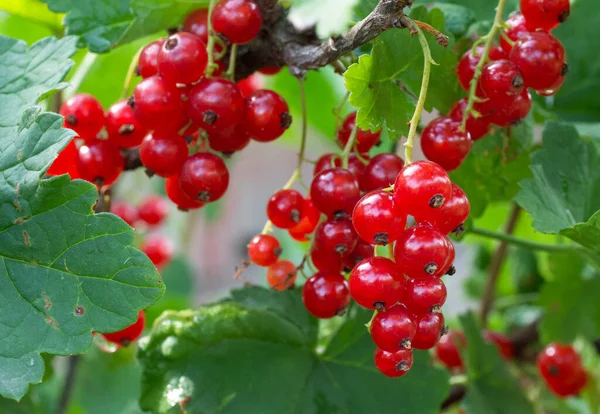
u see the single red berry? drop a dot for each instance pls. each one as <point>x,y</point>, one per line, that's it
<point>444,143</point>
<point>336,236</point>
<point>424,295</point>
<point>561,368</point>
<point>309,219</point>
<point>197,23</point>
<point>465,70</point>
<point>282,275</point>
<point>515,28</point>
<point>270,70</point>
<point>100,162</point>
<point>476,127</point>
<point>326,260</point>
<point>330,160</point>
<point>452,215</point>
<point>393,329</point>
<point>326,294</point>
<point>571,388</point>
<point>377,220</point>
<point>65,162</point>
<point>153,210</point>
<point>251,84</point>
<point>204,176</point>
<point>238,20</point>
<point>502,342</point>
<point>148,61</point>
<point>264,250</point>
<point>496,53</point>
<point>84,115</point>
<point>422,252</point>
<point>159,249</point>
<point>381,172</point>
<point>229,140</point>
<point>284,208</point>
<point>364,141</point>
<point>267,116</point>
<point>429,330</point>
<point>182,58</point>
<point>125,211</point>
<point>447,351</point>
<point>215,104</point>
<point>163,153</point>
<point>335,192</point>
<point>393,364</point>
<point>177,196</point>
<point>376,283</point>
<point>512,113</point>
<point>501,81</point>
<point>122,127</point>
<point>545,14</point>
<point>128,335</point>
<point>157,105</point>
<point>363,250</point>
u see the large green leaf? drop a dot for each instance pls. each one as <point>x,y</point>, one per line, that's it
<point>35,11</point>
<point>64,271</point>
<point>255,354</point>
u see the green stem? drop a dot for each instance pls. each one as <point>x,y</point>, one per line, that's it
<point>80,74</point>
<point>349,145</point>
<point>510,239</point>
<point>131,73</point>
<point>230,74</point>
<point>210,47</point>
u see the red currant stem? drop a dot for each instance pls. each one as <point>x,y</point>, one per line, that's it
<point>458,379</point>
<point>489,38</point>
<point>338,67</point>
<point>80,74</point>
<point>507,39</point>
<point>230,74</point>
<point>517,241</point>
<point>349,145</point>
<point>337,111</point>
<point>131,73</point>
<point>390,251</point>
<point>65,397</point>
<point>104,200</point>
<point>441,38</point>
<point>210,47</point>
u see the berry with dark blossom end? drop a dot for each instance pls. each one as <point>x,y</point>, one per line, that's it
<point>429,330</point>
<point>501,81</point>
<point>267,116</point>
<point>148,61</point>
<point>376,218</point>
<point>264,250</point>
<point>100,162</point>
<point>424,295</point>
<point>238,20</point>
<point>65,162</point>
<point>335,192</point>
<point>444,143</point>
<point>163,153</point>
<point>282,275</point>
<point>159,250</point>
<point>153,210</point>
<point>126,336</point>
<point>229,140</point>
<point>127,212</point>
<point>309,219</point>
<point>326,294</point>
<point>215,104</point>
<point>364,140</point>
<point>157,105</point>
<point>363,250</point>
<point>204,176</point>
<point>562,370</point>
<point>393,364</point>
<point>447,347</point>
<point>84,115</point>
<point>376,283</point>
<point>336,236</point>
<point>284,208</point>
<point>516,26</point>
<point>476,127</point>
<point>122,127</point>
<point>452,215</point>
<point>380,172</point>
<point>326,260</point>
<point>393,329</point>
<point>182,58</point>
<point>545,14</point>
<point>177,196</point>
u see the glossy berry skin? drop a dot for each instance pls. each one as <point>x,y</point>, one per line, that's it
<point>326,294</point>
<point>148,61</point>
<point>215,104</point>
<point>476,127</point>
<point>364,141</point>
<point>447,351</point>
<point>429,330</point>
<point>501,80</point>
<point>561,368</point>
<point>163,153</point>
<point>197,23</point>
<point>502,342</point>
<point>229,140</point>
<point>545,14</point>
<point>465,70</point>
<point>122,127</point>
<point>84,115</point>
<point>327,161</point>
<point>541,59</point>
<point>177,196</point>
<point>282,275</point>
<point>336,236</point>
<point>64,163</point>
<point>264,250</point>
<point>513,112</point>
<point>393,364</point>
<point>452,214</point>
<point>517,27</point>
<point>158,249</point>
<point>284,208</point>
<point>326,260</point>
<point>309,219</point>
<point>424,295</point>
<point>375,283</point>
<point>182,58</point>
<point>153,210</point>
<point>100,162</point>
<point>157,105</point>
<point>270,70</point>
<point>267,116</point>
<point>422,252</point>
<point>251,84</point>
<point>129,334</point>
<point>204,176</point>
<point>335,192</point>
<point>363,250</point>
<point>393,329</point>
<point>376,218</point>
<point>381,172</point>
<point>238,20</point>
<point>421,187</point>
<point>444,143</point>
<point>125,211</point>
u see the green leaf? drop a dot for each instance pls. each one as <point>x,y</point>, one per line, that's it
<point>64,271</point>
<point>256,352</point>
<point>458,18</point>
<point>491,389</point>
<point>35,11</point>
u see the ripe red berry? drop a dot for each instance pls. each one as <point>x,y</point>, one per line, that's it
<point>393,364</point>
<point>216,104</point>
<point>125,211</point>
<point>335,192</point>
<point>422,252</point>
<point>309,218</point>
<point>129,334</point>
<point>376,283</point>
<point>541,59</point>
<point>364,141</point>
<point>197,23</point>
<point>264,250</point>
<point>336,236</point>
<point>451,216</point>
<point>284,208</point>
<point>100,162</point>
<point>513,112</point>
<point>238,20</point>
<point>159,250</point>
<point>465,70</point>
<point>447,351</point>
<point>444,143</point>
<point>182,58</point>
<point>516,27</point>
<point>381,172</point>
<point>476,127</point>
<point>122,127</point>
<point>502,342</point>
<point>424,295</point>
<point>377,220</point>
<point>393,329</point>
<point>326,260</point>
<point>177,196</point>
<point>148,61</point>
<point>250,84</point>
<point>64,163</point>
<point>270,70</point>
<point>363,250</point>
<point>501,81</point>
<point>326,294</point>
<point>561,368</point>
<point>545,14</point>
<point>157,105</point>
<point>429,330</point>
<point>84,115</point>
<point>267,116</point>
<point>327,161</point>
<point>229,140</point>
<point>282,275</point>
<point>153,210</point>
<point>163,153</point>
<point>204,176</point>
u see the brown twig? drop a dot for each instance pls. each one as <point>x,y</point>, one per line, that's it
<point>440,38</point>
<point>63,403</point>
<point>457,393</point>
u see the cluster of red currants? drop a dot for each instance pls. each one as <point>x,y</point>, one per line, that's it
<point>528,57</point>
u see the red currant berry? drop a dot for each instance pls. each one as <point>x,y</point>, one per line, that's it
<point>204,176</point>
<point>238,20</point>
<point>501,81</point>
<point>64,163</point>
<point>465,70</point>
<point>122,127</point>
<point>393,329</point>
<point>216,104</point>
<point>571,388</point>
<point>251,84</point>
<point>541,59</point>
<point>270,70</point>
<point>377,220</point>
<point>309,219</point>
<point>84,115</point>
<point>177,196</point>
<point>502,342</point>
<point>148,61</point>
<point>429,330</point>
<point>476,127</point>
<point>327,161</point>
<point>182,58</point>
<point>447,351</point>
<point>125,211</point>
<point>267,116</point>
<point>422,251</point>
<point>376,283</point>
<point>512,113</point>
<point>284,208</point>
<point>364,141</point>
<point>516,27</point>
<point>197,23</point>
<point>157,105</point>
<point>129,334</point>
<point>451,216</point>
<point>424,295</point>
<point>552,91</point>
<point>363,250</point>
<point>393,364</point>
<point>163,153</point>
<point>326,260</point>
<point>153,210</point>
<point>326,294</point>
<point>561,368</point>
<point>545,14</point>
<point>229,140</point>
<point>264,250</point>
<point>335,192</point>
<point>381,172</point>
<point>282,275</point>
<point>444,143</point>
<point>336,236</point>
<point>100,162</point>
<point>158,249</point>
